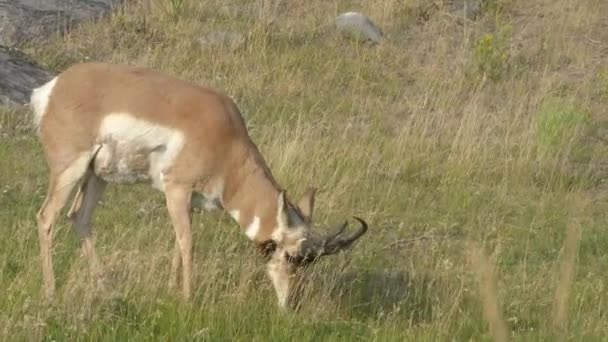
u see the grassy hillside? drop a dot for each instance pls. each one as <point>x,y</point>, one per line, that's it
<point>477,151</point>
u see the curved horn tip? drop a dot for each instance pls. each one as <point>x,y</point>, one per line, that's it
<point>363,223</point>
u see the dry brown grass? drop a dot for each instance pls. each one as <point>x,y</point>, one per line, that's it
<point>487,286</point>
<point>412,134</point>
<point>566,271</point>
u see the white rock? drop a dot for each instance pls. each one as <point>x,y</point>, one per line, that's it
<point>358,26</point>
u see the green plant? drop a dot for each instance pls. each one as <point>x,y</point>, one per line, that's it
<point>176,7</point>
<point>492,53</point>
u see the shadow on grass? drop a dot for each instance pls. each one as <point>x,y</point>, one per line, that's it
<point>378,294</point>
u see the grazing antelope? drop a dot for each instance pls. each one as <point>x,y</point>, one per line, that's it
<point>103,123</point>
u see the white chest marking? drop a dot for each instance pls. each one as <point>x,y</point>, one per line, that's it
<point>162,144</point>
<point>253,228</point>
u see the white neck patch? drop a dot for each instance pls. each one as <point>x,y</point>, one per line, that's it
<point>253,228</point>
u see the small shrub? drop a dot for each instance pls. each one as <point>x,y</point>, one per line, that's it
<point>492,53</point>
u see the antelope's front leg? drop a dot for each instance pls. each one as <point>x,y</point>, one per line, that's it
<point>179,206</point>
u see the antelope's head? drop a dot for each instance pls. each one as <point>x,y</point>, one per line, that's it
<point>297,245</point>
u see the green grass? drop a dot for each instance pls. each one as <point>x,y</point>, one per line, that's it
<point>558,125</point>
<point>436,161</point>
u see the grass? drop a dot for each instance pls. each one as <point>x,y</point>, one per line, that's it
<point>487,196</point>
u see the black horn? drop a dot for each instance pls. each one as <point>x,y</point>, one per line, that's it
<point>335,242</point>
<point>332,243</point>
<point>339,230</point>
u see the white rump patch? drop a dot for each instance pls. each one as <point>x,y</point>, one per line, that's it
<point>133,133</point>
<point>39,101</point>
<point>253,228</point>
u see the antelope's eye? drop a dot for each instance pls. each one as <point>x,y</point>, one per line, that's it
<point>293,259</point>
<point>289,258</point>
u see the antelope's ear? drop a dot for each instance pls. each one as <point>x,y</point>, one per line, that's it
<point>306,204</point>
<point>282,211</point>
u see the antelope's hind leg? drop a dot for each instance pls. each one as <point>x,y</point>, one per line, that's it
<point>61,185</point>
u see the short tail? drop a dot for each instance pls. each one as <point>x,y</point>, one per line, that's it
<point>39,101</point>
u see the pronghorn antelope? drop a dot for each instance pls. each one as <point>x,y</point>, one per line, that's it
<point>103,123</point>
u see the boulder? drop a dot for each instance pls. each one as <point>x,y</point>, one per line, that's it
<point>18,76</point>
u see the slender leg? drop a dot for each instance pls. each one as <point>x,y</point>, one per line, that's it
<point>179,207</point>
<point>60,187</point>
<point>91,192</point>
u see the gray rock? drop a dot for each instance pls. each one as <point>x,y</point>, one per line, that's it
<point>255,10</point>
<point>223,40</point>
<point>358,26</point>
<point>244,10</point>
<point>18,76</point>
<point>466,9</point>
<point>25,20</point>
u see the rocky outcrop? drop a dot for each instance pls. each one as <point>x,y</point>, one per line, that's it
<point>18,76</point>
<point>23,21</point>
<point>27,20</point>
